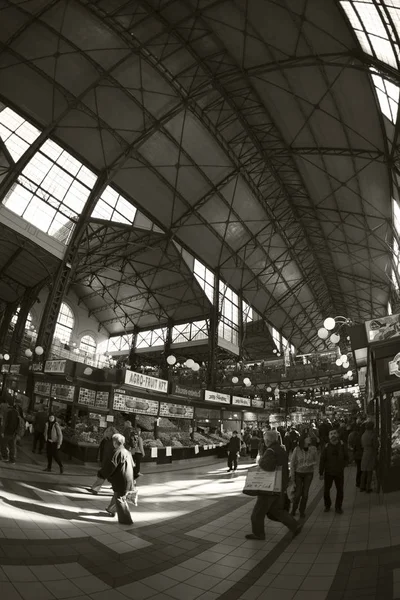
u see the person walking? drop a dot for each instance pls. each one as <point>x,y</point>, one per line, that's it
<point>302,465</point>
<point>9,433</point>
<point>355,451</point>
<point>120,474</point>
<point>53,436</point>
<point>254,444</point>
<point>39,424</point>
<point>137,451</point>
<point>106,451</point>
<point>272,504</point>
<point>333,460</point>
<point>233,451</point>
<point>368,460</point>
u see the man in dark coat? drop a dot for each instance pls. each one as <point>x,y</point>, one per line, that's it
<point>272,504</point>
<point>120,474</point>
<point>9,433</point>
<point>233,451</point>
<point>39,424</point>
<point>333,460</point>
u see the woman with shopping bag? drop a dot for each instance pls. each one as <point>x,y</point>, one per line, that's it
<point>268,483</point>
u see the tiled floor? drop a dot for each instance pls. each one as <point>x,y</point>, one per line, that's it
<point>188,541</point>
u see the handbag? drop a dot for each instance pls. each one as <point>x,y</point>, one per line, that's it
<point>260,482</point>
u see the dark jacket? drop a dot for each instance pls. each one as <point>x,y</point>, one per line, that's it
<point>234,444</point>
<point>276,456</point>
<point>39,422</point>
<point>119,471</point>
<point>333,459</point>
<point>254,442</point>
<point>106,451</point>
<point>11,423</point>
<point>354,444</point>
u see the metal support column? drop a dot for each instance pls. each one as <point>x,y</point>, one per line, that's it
<point>213,338</point>
<point>165,371</point>
<point>241,326</point>
<point>132,360</point>
<point>17,338</point>
<point>8,314</point>
<point>66,270</point>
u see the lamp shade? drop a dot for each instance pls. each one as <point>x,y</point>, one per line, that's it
<point>28,353</point>
<point>189,363</point>
<point>335,338</point>
<point>88,371</point>
<point>323,333</point>
<point>196,367</point>
<point>171,360</point>
<point>329,323</point>
<point>339,362</point>
<point>246,381</point>
<point>235,380</point>
<point>39,350</point>
<point>6,357</point>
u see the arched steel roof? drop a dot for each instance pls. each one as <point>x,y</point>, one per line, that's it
<point>249,131</point>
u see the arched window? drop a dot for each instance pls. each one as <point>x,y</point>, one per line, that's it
<point>88,344</point>
<point>65,324</point>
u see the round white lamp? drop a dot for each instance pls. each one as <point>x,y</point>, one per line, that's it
<point>329,323</point>
<point>323,333</point>
<point>28,353</point>
<point>189,363</point>
<point>39,350</point>
<point>246,381</point>
<point>171,360</point>
<point>6,357</point>
<point>335,338</point>
<point>235,380</point>
<point>196,367</point>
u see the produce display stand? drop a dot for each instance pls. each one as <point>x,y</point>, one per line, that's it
<point>385,365</point>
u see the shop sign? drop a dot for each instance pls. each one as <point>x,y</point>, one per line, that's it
<point>124,402</point>
<point>256,403</point>
<point>394,366</point>
<point>55,366</point>
<point>63,392</point>
<point>5,368</point>
<point>186,392</point>
<point>176,410</point>
<point>102,399</point>
<point>86,397</point>
<point>238,401</point>
<point>42,388</point>
<point>250,416</point>
<point>146,382</point>
<point>15,369</point>
<point>36,367</point>
<point>383,329</point>
<point>217,397</point>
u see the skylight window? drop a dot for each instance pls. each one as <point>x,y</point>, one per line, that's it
<point>16,133</point>
<point>205,277</point>
<point>373,26</point>
<point>388,96</point>
<point>52,191</point>
<point>114,207</point>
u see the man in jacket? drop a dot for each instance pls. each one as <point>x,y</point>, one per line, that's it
<point>233,451</point>
<point>333,460</point>
<point>10,431</point>
<point>272,504</point>
<point>53,436</point>
<point>39,424</point>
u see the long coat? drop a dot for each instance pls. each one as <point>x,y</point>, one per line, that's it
<point>106,453</point>
<point>120,471</point>
<point>368,442</point>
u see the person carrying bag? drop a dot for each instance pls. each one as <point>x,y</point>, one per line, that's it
<point>268,482</point>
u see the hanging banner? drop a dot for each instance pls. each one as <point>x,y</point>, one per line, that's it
<point>146,382</point>
<point>176,410</point>
<point>5,368</point>
<point>42,388</point>
<point>238,401</point>
<point>55,366</point>
<point>15,369</point>
<point>382,329</point>
<point>63,392</point>
<point>186,391</point>
<point>124,402</point>
<point>217,397</point>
